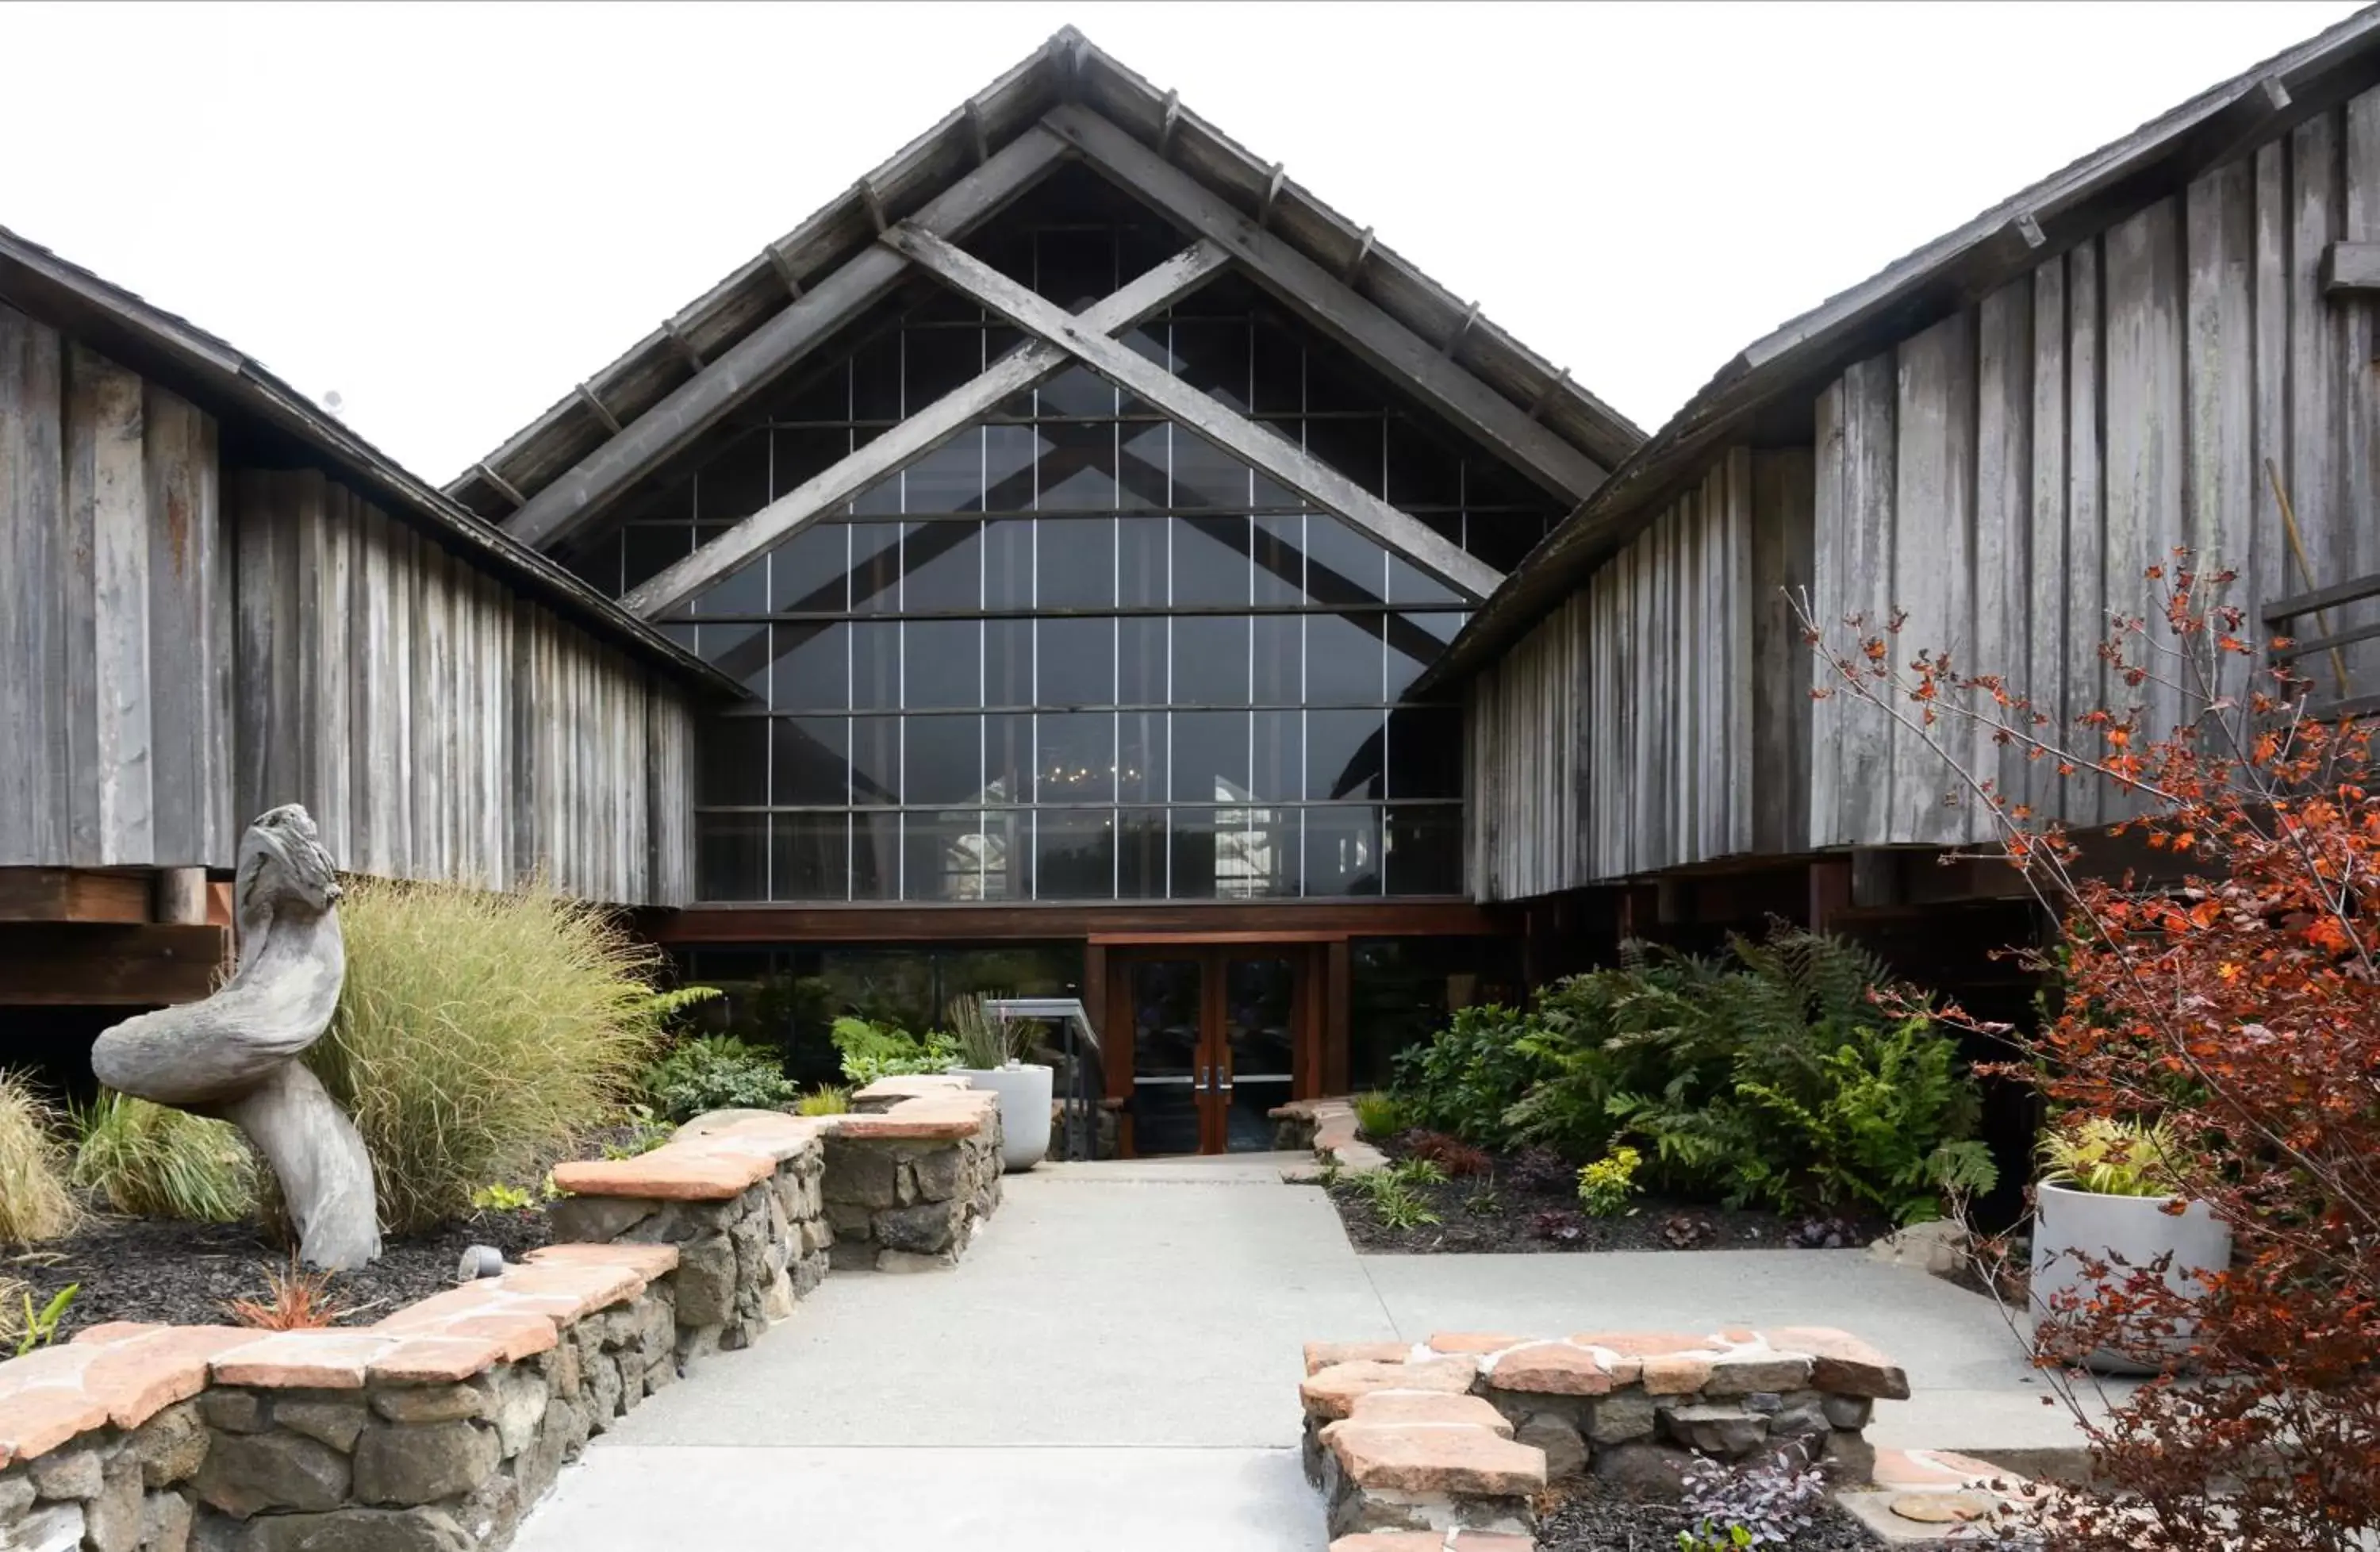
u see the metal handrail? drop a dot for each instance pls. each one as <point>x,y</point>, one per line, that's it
<point>1073,1021</point>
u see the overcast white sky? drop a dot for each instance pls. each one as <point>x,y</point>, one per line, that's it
<point>449,214</point>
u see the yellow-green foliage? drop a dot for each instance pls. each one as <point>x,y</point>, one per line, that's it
<point>1379,1115</point>
<point>825,1100</point>
<point>34,1202</point>
<point>156,1161</point>
<point>1605,1185</point>
<point>2113,1158</point>
<point>478,1034</point>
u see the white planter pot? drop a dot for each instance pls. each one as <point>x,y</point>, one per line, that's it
<point>2069,1225</point>
<point>1024,1091</point>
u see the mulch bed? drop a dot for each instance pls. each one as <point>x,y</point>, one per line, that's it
<point>181,1273</point>
<point>1592,1521</point>
<point>1517,1210</point>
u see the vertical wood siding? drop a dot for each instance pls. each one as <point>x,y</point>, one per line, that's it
<point>114,638</point>
<point>2017,468</point>
<point>1661,716</point>
<point>437,726</point>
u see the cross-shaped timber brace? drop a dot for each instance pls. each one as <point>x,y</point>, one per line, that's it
<point>1061,338</point>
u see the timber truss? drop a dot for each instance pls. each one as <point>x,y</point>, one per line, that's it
<point>910,219</point>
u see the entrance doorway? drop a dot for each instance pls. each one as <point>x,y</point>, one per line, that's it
<point>1220,1035</point>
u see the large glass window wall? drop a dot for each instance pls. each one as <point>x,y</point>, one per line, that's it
<point>1077,653</point>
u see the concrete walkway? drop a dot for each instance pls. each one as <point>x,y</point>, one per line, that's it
<point>1116,1363</point>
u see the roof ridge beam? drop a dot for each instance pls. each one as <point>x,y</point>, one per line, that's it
<point>1332,306</point>
<point>596,483</point>
<point>1200,413</point>
<point>918,435</point>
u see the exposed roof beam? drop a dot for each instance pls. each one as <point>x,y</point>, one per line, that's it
<point>601,478</point>
<point>503,486</point>
<point>1356,265</point>
<point>1325,301</point>
<point>1170,121</point>
<point>976,135</point>
<point>602,412</point>
<point>1211,420</point>
<point>1546,395</point>
<point>1461,331</point>
<point>1279,176</point>
<point>683,345</point>
<point>783,264</point>
<point>918,435</point>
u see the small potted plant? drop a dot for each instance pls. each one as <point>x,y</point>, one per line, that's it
<point>990,1052</point>
<point>2111,1197</point>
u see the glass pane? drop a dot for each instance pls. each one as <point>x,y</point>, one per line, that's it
<point>1008,564</point>
<point>1211,660</point>
<point>732,761</point>
<point>1343,754</point>
<point>945,566</point>
<point>731,856</point>
<point>1210,756</point>
<point>811,763</point>
<point>1074,853</point>
<point>739,651</point>
<point>1279,376</point>
<point>875,567</point>
<point>806,453</point>
<point>1009,467</point>
<point>1255,852</point>
<point>1213,358</point>
<point>809,859</point>
<point>1008,758</point>
<point>1141,569</point>
<point>950,478</point>
<point>1076,391</point>
<point>742,592</point>
<point>1277,765</point>
<point>1204,475</point>
<point>1426,850</point>
<point>1341,565</point>
<point>1140,854</point>
<point>1356,448</point>
<point>1280,659</point>
<point>1074,268</point>
<point>943,761</point>
<point>875,666</point>
<point>938,360</point>
<point>875,856</point>
<point>1280,560</point>
<point>1141,477</point>
<point>1141,660</point>
<point>1140,757</point>
<point>944,857</point>
<point>808,574</point>
<point>1008,662</point>
<point>1077,663</point>
<point>1078,468</point>
<point>876,760</point>
<point>1409,584</point>
<point>1210,561</point>
<point>1164,997</point>
<point>1413,646</point>
<point>734,484</point>
<point>1076,566</point>
<point>1007,855</point>
<point>1426,752</point>
<point>1343,659</point>
<point>1422,472</point>
<point>876,379</point>
<point>1260,1034</point>
<point>1343,851</point>
<point>1076,758</point>
<point>941,663</point>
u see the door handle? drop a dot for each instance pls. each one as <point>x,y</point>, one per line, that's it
<point>1205,1080</point>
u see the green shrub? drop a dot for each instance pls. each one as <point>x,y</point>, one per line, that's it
<point>1605,1185</point>
<point>716,1073</point>
<point>1379,1115</point>
<point>477,1034</point>
<point>1394,1201</point>
<point>824,1100</point>
<point>156,1161</point>
<point>872,1050</point>
<point>1466,1080</point>
<point>2113,1158</point>
<point>34,1202</point>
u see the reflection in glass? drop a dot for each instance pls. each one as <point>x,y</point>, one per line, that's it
<point>1077,661</point>
<point>1211,660</point>
<point>1425,848</point>
<point>1164,998</point>
<point>732,762</point>
<point>809,761</point>
<point>942,760</point>
<point>876,760</point>
<point>1076,758</point>
<point>1074,853</point>
<point>1343,851</point>
<point>1259,1036</point>
<point>809,857</point>
<point>942,663</point>
<point>948,856</point>
<point>731,855</point>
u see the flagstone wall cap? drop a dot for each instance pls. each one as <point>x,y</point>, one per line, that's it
<point>1435,1458</point>
<point>1432,1541</point>
<point>1554,1368</point>
<point>647,1261</point>
<point>911,1084</point>
<point>1331,1392</point>
<point>1321,1355</point>
<point>690,1172</point>
<point>325,1360</point>
<point>1843,1363</point>
<point>780,1135</point>
<point>1424,1406</point>
<point>1474,1342</point>
<point>948,1116</point>
<point>121,1373</point>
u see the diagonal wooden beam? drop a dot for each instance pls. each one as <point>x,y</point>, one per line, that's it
<point>918,435</point>
<point>598,481</point>
<point>1233,433</point>
<point>1324,300</point>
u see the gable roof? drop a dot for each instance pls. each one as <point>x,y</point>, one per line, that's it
<point>240,394</point>
<point>1947,275</point>
<point>1066,69</point>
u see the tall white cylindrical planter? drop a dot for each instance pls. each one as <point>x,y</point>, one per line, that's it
<point>2071,1225</point>
<point>1023,1091</point>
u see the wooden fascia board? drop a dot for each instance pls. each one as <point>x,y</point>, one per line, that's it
<point>1331,305</point>
<point>1200,413</point>
<point>918,435</point>
<point>598,481</point>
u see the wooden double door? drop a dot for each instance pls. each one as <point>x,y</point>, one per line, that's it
<point>1218,1034</point>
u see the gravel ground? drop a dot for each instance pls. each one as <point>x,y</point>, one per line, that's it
<point>1590,1521</point>
<point>153,1270</point>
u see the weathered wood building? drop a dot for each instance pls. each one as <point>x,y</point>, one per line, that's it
<point>218,599</point>
<point>1998,434</point>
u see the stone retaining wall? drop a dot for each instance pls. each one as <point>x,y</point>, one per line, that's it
<point>436,1429</point>
<point>1328,1126</point>
<point>1462,1431</point>
<point>912,1173</point>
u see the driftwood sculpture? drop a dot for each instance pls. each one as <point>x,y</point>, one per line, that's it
<point>234,1055</point>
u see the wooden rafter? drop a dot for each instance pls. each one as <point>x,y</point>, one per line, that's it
<point>599,409</point>
<point>1207,418</point>
<point>591,487</point>
<point>919,434</point>
<point>1327,302</point>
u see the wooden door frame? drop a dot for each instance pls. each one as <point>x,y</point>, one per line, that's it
<point>1308,959</point>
